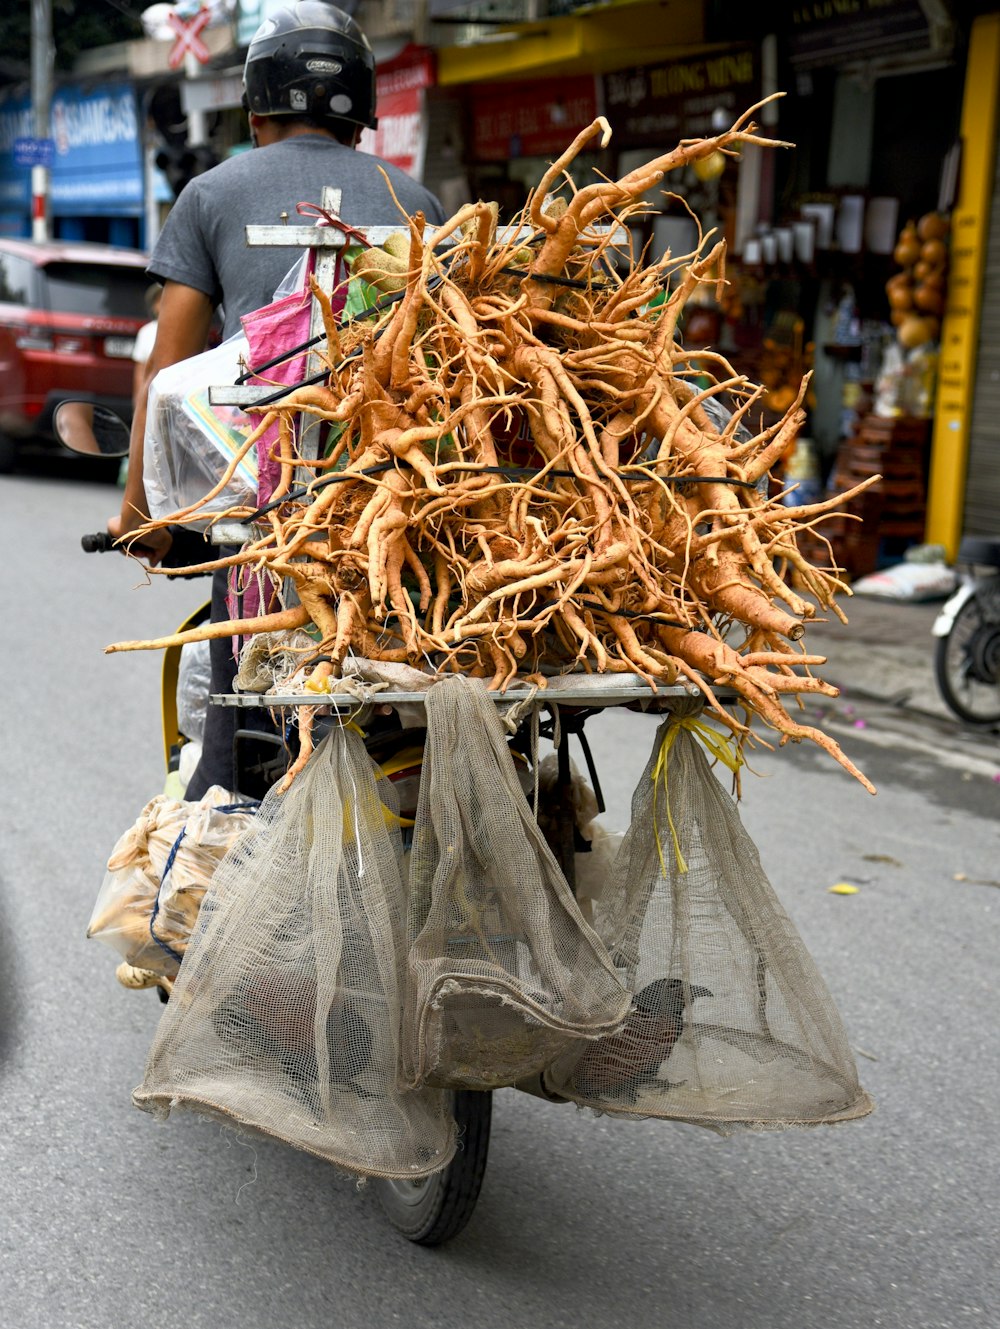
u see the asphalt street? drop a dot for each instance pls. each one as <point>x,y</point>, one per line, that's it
<point>111,1219</point>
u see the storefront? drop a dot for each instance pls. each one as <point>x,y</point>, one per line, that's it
<point>96,182</point>
<point>965,465</point>
<point>401,85</point>
<point>511,127</point>
<point>506,107</point>
<point>514,130</point>
<point>651,108</point>
<point>872,105</point>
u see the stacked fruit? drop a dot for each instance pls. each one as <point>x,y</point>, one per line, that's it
<point>917,293</point>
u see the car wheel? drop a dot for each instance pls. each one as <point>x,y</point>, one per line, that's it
<point>8,454</point>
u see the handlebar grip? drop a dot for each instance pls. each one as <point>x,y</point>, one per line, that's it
<point>100,542</point>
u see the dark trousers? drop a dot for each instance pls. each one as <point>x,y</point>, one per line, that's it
<point>218,764</point>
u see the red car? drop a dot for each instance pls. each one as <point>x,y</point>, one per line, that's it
<point>68,318</point>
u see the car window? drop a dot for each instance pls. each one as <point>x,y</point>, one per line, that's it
<point>15,279</point>
<point>90,288</point>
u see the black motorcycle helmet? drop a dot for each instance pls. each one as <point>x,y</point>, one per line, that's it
<point>311,59</point>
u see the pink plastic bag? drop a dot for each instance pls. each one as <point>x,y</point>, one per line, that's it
<point>278,327</point>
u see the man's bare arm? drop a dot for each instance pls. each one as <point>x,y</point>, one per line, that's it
<point>181,331</point>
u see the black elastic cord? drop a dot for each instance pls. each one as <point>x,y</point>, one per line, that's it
<point>294,387</point>
<point>279,359</point>
<point>690,479</point>
<point>339,477</point>
<point>381,304</point>
<point>636,613</point>
<point>575,283</point>
<point>521,472</point>
<point>377,308</point>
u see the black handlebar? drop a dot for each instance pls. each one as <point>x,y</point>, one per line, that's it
<point>187,548</point>
<point>100,542</point>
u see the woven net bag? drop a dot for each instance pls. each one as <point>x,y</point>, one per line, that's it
<point>504,971</point>
<point>286,1013</point>
<point>732,1026</point>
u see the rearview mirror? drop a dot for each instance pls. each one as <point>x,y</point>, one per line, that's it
<point>91,430</point>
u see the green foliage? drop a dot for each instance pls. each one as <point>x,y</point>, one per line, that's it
<point>77,25</point>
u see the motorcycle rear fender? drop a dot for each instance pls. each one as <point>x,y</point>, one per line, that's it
<point>172,737</point>
<point>945,620</point>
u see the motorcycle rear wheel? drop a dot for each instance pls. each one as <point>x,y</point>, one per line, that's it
<point>967,662</point>
<point>436,1208</point>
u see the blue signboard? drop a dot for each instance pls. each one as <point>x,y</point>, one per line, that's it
<point>34,151</point>
<point>97,163</point>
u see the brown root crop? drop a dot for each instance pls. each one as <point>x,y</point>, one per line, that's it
<point>526,480</point>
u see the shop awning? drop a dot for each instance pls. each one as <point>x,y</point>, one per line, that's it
<point>590,41</point>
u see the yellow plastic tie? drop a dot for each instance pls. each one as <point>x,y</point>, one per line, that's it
<point>400,762</point>
<point>718,746</point>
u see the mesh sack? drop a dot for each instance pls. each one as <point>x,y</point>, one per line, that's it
<point>732,1026</point>
<point>504,971</point>
<point>157,876</point>
<point>285,1016</point>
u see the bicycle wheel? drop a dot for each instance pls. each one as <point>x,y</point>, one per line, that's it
<point>436,1208</point>
<point>967,661</point>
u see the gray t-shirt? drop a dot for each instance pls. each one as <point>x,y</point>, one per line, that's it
<point>203,242</point>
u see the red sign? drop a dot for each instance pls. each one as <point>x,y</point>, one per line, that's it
<point>536,119</point>
<point>655,105</point>
<point>399,93</point>
<point>188,38</point>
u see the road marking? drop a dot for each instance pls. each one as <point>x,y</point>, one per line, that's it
<point>939,751</point>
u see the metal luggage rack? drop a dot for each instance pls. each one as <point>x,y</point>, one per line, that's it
<point>582,693</point>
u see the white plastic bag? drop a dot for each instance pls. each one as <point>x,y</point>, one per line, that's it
<point>909,582</point>
<point>194,678</point>
<point>189,444</point>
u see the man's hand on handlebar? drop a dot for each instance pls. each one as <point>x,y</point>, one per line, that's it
<point>152,546</point>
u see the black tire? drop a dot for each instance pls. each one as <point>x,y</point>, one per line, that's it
<point>435,1209</point>
<point>967,661</point>
<point>8,454</point>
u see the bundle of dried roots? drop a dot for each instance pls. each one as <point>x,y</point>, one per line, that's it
<point>526,472</point>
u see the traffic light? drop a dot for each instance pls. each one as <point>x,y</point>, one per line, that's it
<point>180,163</point>
<point>177,159</point>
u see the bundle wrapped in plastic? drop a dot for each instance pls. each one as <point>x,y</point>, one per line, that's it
<point>732,1026</point>
<point>504,971</point>
<point>270,659</point>
<point>158,873</point>
<point>190,444</point>
<point>285,1017</point>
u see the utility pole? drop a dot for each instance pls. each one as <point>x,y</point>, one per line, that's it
<point>42,60</point>
<point>197,122</point>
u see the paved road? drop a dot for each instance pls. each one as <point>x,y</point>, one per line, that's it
<point>111,1220</point>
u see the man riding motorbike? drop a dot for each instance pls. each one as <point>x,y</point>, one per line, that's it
<point>309,90</point>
